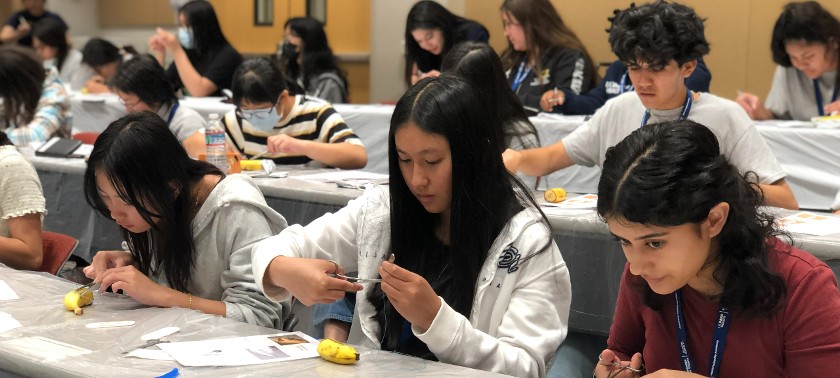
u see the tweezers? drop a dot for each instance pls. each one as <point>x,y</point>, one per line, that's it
<point>355,279</point>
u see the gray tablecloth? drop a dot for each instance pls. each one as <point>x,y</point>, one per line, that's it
<point>41,312</point>
<point>595,260</point>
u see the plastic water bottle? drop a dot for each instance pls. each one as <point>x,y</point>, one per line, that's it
<point>214,139</point>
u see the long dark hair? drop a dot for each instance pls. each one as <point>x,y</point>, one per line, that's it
<point>807,21</point>
<point>98,52</point>
<point>428,15</point>
<point>544,30</point>
<point>479,64</point>
<point>208,35</point>
<point>151,171</point>
<point>4,139</point>
<point>483,200</point>
<point>257,80</point>
<point>53,33</point>
<point>144,77</point>
<point>657,32</point>
<point>21,82</point>
<point>646,179</point>
<point>318,57</point>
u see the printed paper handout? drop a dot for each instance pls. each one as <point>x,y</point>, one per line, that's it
<point>811,224</point>
<point>237,351</point>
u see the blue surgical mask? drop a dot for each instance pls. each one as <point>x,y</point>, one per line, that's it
<point>262,120</point>
<point>185,36</point>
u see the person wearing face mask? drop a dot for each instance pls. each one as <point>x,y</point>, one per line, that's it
<point>203,59</point>
<point>806,46</point>
<point>141,85</point>
<point>289,129</point>
<point>308,60</point>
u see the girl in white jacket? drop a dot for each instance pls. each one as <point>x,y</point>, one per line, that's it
<point>474,277</point>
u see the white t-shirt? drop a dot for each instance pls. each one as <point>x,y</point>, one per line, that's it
<point>792,94</point>
<point>184,122</point>
<point>739,140</point>
<point>20,189</point>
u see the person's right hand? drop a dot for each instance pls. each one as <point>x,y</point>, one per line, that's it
<point>752,105</point>
<point>156,45</point>
<point>308,280</point>
<point>512,159</point>
<point>104,260</point>
<point>609,363</point>
<point>24,29</point>
<point>96,84</point>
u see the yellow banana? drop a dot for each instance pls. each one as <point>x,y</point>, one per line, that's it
<point>337,352</point>
<point>555,195</point>
<point>78,298</point>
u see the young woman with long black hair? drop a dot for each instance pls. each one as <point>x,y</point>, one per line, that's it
<point>50,40</point>
<point>430,32</point>
<point>176,214</point>
<point>470,273</point>
<point>308,60</point>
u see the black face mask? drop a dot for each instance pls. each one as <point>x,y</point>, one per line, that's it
<point>289,50</point>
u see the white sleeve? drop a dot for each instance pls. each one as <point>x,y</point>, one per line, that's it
<point>533,326</point>
<point>751,153</point>
<point>583,145</point>
<point>330,237</point>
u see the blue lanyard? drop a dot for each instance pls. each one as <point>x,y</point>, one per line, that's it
<point>689,99</point>
<point>172,112</point>
<point>520,76</point>
<point>818,95</point>
<point>718,343</point>
<point>624,80</point>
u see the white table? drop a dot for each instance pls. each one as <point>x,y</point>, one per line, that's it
<point>41,312</point>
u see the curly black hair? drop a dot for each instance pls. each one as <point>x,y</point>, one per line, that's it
<point>644,181</point>
<point>656,33</point>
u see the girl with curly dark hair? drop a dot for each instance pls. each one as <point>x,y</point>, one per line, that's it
<point>705,269</point>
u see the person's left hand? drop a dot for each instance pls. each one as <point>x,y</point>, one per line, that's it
<point>552,98</point>
<point>833,107</point>
<point>134,284</point>
<point>286,144</point>
<point>167,39</point>
<point>411,295</point>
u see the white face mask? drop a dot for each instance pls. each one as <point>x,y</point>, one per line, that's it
<point>186,38</point>
<point>263,120</point>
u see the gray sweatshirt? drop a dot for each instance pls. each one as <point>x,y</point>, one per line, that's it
<point>234,217</point>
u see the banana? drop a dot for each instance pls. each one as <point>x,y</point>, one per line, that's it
<point>78,298</point>
<point>337,352</point>
<point>555,195</point>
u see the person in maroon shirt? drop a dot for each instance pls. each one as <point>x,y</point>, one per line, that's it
<point>705,267</point>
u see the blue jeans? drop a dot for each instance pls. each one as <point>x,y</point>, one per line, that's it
<point>341,310</point>
<point>577,356</point>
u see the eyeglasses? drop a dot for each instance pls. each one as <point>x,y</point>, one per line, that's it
<point>127,104</point>
<point>258,114</point>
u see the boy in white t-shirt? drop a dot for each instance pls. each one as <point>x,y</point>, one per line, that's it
<point>658,62</point>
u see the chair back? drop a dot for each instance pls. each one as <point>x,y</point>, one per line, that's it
<point>86,138</point>
<point>57,249</point>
